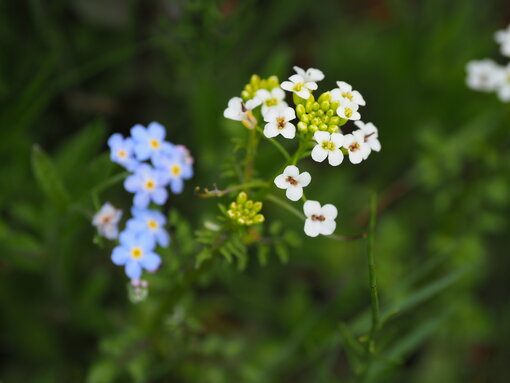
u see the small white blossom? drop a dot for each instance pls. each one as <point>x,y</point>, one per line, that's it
<point>278,122</point>
<point>503,38</point>
<point>319,219</point>
<point>503,87</point>
<point>484,75</point>
<point>357,147</point>
<point>299,85</point>
<point>293,182</point>
<point>348,110</point>
<point>328,145</point>
<point>106,221</point>
<point>311,74</point>
<point>371,136</point>
<point>271,99</point>
<point>345,91</point>
<point>238,110</point>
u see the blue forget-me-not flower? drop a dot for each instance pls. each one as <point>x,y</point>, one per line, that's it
<point>150,141</point>
<point>135,253</point>
<point>151,222</point>
<point>148,185</point>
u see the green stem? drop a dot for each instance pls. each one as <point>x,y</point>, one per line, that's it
<point>277,145</point>
<point>219,193</point>
<point>105,185</point>
<point>250,155</point>
<point>285,205</point>
<point>374,297</point>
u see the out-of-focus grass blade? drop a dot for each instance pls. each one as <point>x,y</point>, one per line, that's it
<point>48,178</point>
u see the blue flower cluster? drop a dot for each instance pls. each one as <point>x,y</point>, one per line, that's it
<point>156,166</point>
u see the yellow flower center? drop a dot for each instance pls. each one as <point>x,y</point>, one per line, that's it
<point>136,252</point>
<point>348,112</point>
<point>153,224</point>
<point>122,154</point>
<point>155,144</point>
<point>297,87</point>
<point>347,95</point>
<point>176,170</point>
<point>271,102</point>
<point>150,184</point>
<point>328,145</point>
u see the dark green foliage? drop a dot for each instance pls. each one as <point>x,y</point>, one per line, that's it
<point>260,304</point>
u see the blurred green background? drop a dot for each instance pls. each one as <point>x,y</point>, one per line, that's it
<point>73,72</point>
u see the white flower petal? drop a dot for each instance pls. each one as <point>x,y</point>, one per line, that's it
<point>289,131</point>
<point>288,113</point>
<point>278,93</point>
<point>294,193</point>
<point>304,179</point>
<point>321,136</point>
<point>335,157</point>
<point>319,154</point>
<point>356,157</point>
<point>291,171</point>
<point>311,85</point>
<point>270,130</point>
<point>311,207</point>
<point>312,228</point>
<point>263,94</point>
<point>329,211</point>
<point>343,86</point>
<point>327,227</point>
<point>280,181</point>
<point>287,85</point>
<point>304,93</point>
<point>337,139</point>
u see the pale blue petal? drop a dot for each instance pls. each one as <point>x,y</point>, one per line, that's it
<point>132,183</point>
<point>139,133</point>
<point>142,151</point>
<point>177,185</point>
<point>150,261</point>
<point>120,255</point>
<point>115,140</point>
<point>159,196</point>
<point>141,200</point>
<point>133,270</point>
<point>163,238</point>
<point>156,131</point>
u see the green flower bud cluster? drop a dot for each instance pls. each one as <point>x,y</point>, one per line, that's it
<point>318,115</point>
<point>244,211</point>
<point>257,83</point>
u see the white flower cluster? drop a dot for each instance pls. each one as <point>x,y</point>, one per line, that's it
<point>488,76</point>
<point>318,127</point>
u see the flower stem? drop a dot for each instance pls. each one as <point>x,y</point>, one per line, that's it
<point>285,205</point>
<point>277,145</point>
<point>105,185</point>
<point>374,297</point>
<point>219,193</point>
<point>250,155</point>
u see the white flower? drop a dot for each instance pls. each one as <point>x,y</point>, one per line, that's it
<point>503,85</point>
<point>345,91</point>
<point>293,181</point>
<point>299,85</point>
<point>311,74</point>
<point>357,147</point>
<point>278,122</point>
<point>503,38</point>
<point>484,75</point>
<point>319,220</point>
<point>328,145</point>
<point>106,221</point>
<point>237,110</point>
<point>270,99</point>
<point>371,135</point>
<point>348,110</point>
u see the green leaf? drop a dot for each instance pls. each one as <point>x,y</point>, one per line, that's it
<point>48,178</point>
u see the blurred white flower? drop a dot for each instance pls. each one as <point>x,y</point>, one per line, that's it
<point>299,85</point>
<point>484,75</point>
<point>293,182</point>
<point>503,38</point>
<point>356,146</point>
<point>311,74</point>
<point>345,91</point>
<point>238,110</point>
<point>371,136</point>
<point>328,145</point>
<point>348,110</point>
<point>270,98</point>
<point>319,219</point>
<point>278,122</point>
<point>106,221</point>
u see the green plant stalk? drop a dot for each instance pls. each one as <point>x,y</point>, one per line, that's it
<point>105,185</point>
<point>277,145</point>
<point>251,149</point>
<point>374,296</point>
